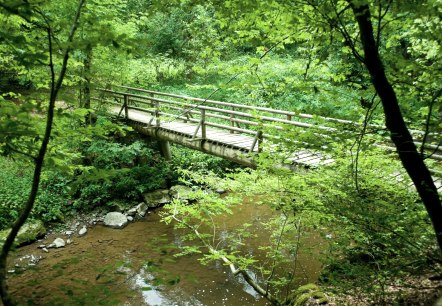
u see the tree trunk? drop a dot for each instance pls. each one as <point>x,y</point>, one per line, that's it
<point>87,77</point>
<point>86,86</point>
<point>411,159</point>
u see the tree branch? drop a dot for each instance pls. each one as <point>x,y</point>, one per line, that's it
<point>380,17</point>
<point>427,122</point>
<point>10,147</point>
<point>246,276</point>
<point>367,119</point>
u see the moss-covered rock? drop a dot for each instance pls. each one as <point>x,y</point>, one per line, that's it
<point>118,205</point>
<point>156,198</point>
<point>309,294</point>
<point>182,192</point>
<point>29,232</point>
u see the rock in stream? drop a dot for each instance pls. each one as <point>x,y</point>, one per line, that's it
<point>115,220</point>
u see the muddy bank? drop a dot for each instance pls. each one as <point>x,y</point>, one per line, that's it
<point>133,266</point>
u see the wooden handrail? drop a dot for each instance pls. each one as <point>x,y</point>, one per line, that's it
<point>226,111</point>
<point>203,124</point>
<point>288,114</point>
<point>230,113</point>
<point>257,108</point>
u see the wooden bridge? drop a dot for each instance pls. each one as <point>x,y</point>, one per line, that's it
<point>235,131</point>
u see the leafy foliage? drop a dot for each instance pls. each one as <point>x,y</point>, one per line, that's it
<point>14,184</point>
<point>118,171</point>
<point>52,201</point>
<point>198,162</point>
<point>376,230</point>
<point>282,54</point>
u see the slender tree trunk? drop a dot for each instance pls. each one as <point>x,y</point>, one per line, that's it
<point>39,160</point>
<point>411,159</point>
<point>87,84</point>
<point>87,77</point>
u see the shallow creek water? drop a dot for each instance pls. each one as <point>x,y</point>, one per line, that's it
<point>136,266</point>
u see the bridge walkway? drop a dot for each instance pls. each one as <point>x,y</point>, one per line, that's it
<point>237,132</point>
<point>242,142</point>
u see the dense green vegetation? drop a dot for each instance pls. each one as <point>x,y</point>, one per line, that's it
<point>376,62</point>
<point>374,236</point>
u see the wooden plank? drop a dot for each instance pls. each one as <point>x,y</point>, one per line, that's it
<point>239,144</point>
<point>312,156</point>
<point>307,158</point>
<point>177,126</point>
<point>218,132</point>
<point>313,162</point>
<point>327,161</point>
<point>227,138</point>
<point>243,144</point>
<point>299,155</point>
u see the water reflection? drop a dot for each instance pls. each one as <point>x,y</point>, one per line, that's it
<point>151,295</point>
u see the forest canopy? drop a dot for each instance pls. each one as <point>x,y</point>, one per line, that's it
<point>376,63</point>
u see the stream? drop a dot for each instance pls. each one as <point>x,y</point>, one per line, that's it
<point>136,266</point>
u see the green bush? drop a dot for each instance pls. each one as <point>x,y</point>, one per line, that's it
<point>15,185</point>
<point>53,198</point>
<point>199,162</point>
<point>375,231</point>
<point>381,231</point>
<point>118,171</point>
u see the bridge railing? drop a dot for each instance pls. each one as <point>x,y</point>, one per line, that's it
<point>239,118</point>
<point>232,117</point>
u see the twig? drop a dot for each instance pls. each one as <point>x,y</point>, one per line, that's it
<point>427,122</point>
<point>246,276</point>
<point>367,119</point>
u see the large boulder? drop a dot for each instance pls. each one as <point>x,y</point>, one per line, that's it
<point>156,198</point>
<point>115,220</point>
<point>141,209</point>
<point>182,192</point>
<point>28,233</point>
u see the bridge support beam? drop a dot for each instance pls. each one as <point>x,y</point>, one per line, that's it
<point>205,146</point>
<point>165,149</point>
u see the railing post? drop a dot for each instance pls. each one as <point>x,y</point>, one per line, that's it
<point>232,123</point>
<point>186,111</point>
<point>203,123</point>
<point>151,102</point>
<point>126,110</point>
<point>256,140</point>
<point>157,113</point>
<point>260,140</point>
<point>289,117</point>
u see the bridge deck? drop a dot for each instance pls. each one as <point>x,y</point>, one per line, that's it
<point>242,142</point>
<point>238,142</point>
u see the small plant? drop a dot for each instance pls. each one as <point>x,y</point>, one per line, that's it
<point>195,161</point>
<point>118,171</point>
